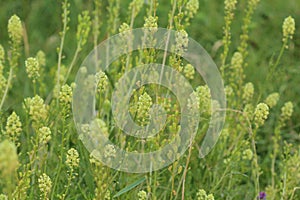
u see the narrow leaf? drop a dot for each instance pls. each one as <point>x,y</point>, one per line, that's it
<point>129,187</point>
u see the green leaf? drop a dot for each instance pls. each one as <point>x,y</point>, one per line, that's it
<point>129,187</point>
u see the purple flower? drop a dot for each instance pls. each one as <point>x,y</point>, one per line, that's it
<point>262,195</point>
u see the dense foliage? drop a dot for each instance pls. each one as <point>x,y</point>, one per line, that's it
<point>255,47</point>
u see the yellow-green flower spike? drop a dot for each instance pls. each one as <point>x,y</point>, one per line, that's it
<point>2,53</point>
<point>44,135</point>
<point>272,99</point>
<point>102,81</point>
<point>191,8</point>
<point>210,197</point>
<point>3,197</point>
<point>288,29</point>
<point>189,71</point>
<point>15,30</point>
<point>247,154</point>
<point>32,68</point>
<point>230,5</point>
<point>83,28</point>
<point>37,110</point>
<point>8,158</point>
<point>248,92</point>
<point>45,186</point>
<point>41,58</point>
<point>65,96</point>
<point>13,127</point>
<point>143,107</point>
<point>142,195</point>
<point>201,195</point>
<point>72,160</point>
<point>261,113</point>
<point>286,112</point>
<point>182,41</point>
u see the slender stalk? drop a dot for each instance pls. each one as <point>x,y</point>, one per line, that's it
<point>68,184</point>
<point>167,41</point>
<point>274,155</point>
<point>26,43</point>
<point>294,190</point>
<point>255,163</point>
<point>65,22</point>
<point>78,49</point>
<point>7,87</point>
<point>280,55</point>
<point>185,170</point>
<point>60,160</point>
<point>283,194</point>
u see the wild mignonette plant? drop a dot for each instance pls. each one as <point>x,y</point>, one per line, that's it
<point>42,153</point>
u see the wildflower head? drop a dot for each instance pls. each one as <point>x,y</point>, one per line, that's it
<point>261,113</point>
<point>45,185</point>
<point>135,7</point>
<point>248,92</point>
<point>204,95</point>
<point>191,8</point>
<point>272,99</point>
<point>13,127</point>
<point>182,41</point>
<point>44,135</point>
<point>262,196</point>
<point>65,96</point>
<point>230,5</point>
<point>32,68</point>
<point>193,102</point>
<point>2,53</point>
<point>142,195</point>
<point>253,3</point>
<point>102,126</point>
<point>201,194</point>
<point>151,23</point>
<point>189,71</point>
<point>288,29</point>
<point>228,91</point>
<point>124,27</point>
<point>143,107</point>
<point>286,112</point>
<point>8,158</point>
<point>247,154</point>
<point>15,30</point>
<point>37,110</point>
<point>248,110</point>
<point>3,197</point>
<point>109,151</point>
<point>72,158</point>
<point>83,28</point>
<point>237,60</point>
<point>101,80</point>
<point>41,58</point>
<point>107,195</point>
<point>2,79</point>
<point>236,68</point>
<point>210,197</point>
<point>125,36</point>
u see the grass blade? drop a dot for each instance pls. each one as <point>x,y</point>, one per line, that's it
<point>129,187</point>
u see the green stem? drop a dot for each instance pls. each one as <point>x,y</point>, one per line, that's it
<point>78,49</point>
<point>65,22</point>
<point>60,161</point>
<point>69,183</point>
<point>255,163</point>
<point>7,87</point>
<point>280,55</point>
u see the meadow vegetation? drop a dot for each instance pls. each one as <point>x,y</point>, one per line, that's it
<point>255,45</point>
